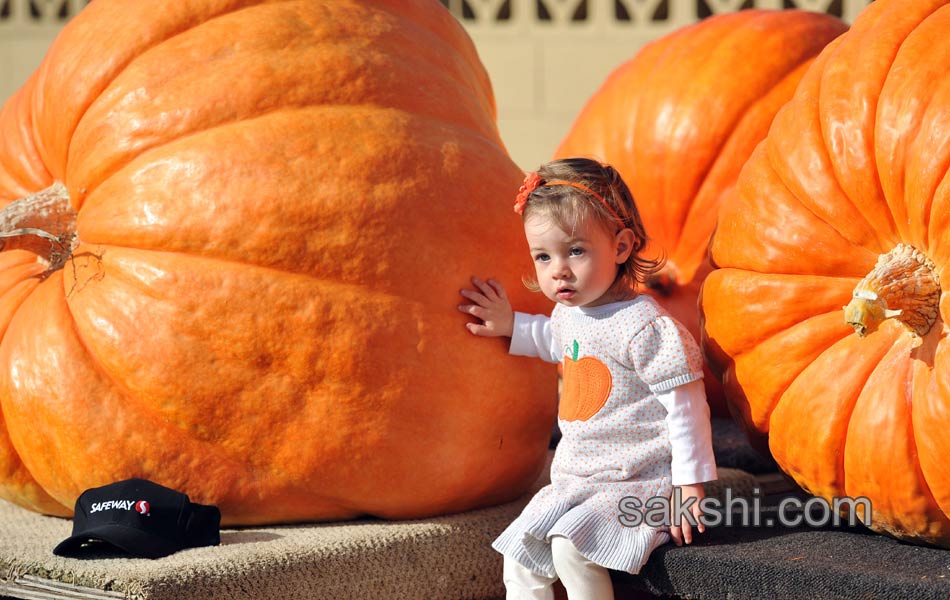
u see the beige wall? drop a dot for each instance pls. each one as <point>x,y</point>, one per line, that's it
<point>27,28</point>
<point>545,57</point>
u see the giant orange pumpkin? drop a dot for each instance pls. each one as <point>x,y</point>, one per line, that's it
<point>847,204</point>
<point>248,282</point>
<point>680,119</point>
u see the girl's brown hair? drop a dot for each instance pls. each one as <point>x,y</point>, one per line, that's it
<point>567,206</point>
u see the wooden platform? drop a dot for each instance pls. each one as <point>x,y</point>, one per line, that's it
<point>444,558</point>
<point>450,557</point>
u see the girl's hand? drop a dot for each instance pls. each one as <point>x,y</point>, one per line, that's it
<point>491,306</point>
<point>683,531</point>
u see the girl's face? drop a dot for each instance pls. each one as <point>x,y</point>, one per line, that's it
<point>576,268</point>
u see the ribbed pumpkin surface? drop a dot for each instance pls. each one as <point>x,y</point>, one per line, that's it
<point>277,203</point>
<point>854,169</point>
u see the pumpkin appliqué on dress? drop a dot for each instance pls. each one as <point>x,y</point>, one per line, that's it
<point>586,387</point>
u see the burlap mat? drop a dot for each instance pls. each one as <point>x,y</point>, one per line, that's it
<point>447,557</point>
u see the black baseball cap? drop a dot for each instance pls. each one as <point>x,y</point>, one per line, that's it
<point>141,518</point>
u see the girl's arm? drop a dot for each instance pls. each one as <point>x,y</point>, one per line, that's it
<point>687,418</point>
<point>530,334</point>
<point>668,360</point>
<point>690,432</point>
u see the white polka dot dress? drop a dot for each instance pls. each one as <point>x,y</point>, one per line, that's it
<point>614,442</point>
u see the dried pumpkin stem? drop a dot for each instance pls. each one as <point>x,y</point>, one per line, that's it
<point>903,285</point>
<point>43,223</point>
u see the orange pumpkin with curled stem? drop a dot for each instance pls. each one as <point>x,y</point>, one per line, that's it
<point>680,119</point>
<point>239,286</point>
<point>827,317</point>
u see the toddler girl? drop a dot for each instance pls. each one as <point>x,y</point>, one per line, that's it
<point>632,413</point>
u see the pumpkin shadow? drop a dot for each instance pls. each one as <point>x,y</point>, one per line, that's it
<point>235,537</point>
<point>926,352</point>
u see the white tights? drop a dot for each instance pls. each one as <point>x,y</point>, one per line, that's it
<point>582,579</point>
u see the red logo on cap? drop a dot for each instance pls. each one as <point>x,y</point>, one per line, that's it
<point>142,507</point>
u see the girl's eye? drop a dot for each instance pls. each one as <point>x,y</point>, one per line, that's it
<point>577,251</point>
<point>542,257</point>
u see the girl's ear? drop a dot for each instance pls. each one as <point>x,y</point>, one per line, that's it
<point>623,242</point>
